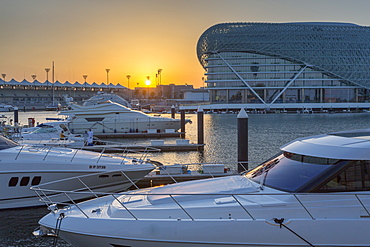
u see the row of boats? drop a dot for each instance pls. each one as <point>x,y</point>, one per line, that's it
<point>315,192</point>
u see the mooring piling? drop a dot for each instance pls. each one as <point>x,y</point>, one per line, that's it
<point>242,141</point>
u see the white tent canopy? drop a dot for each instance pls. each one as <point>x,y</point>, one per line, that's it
<point>13,82</point>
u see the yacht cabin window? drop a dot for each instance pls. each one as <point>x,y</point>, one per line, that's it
<point>289,172</point>
<point>300,173</point>
<point>354,178</point>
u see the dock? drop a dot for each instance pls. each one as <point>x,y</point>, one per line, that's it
<point>160,180</point>
<point>181,145</point>
<point>150,148</point>
<point>138,135</point>
<point>181,173</point>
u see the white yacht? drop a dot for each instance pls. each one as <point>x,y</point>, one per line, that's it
<point>111,117</point>
<point>24,166</point>
<point>6,108</point>
<point>102,97</point>
<point>316,192</point>
<point>49,134</point>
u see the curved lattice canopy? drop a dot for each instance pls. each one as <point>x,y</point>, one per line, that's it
<point>340,49</point>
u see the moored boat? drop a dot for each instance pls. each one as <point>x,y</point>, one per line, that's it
<point>111,117</point>
<point>315,192</point>
<point>23,166</point>
<point>6,108</point>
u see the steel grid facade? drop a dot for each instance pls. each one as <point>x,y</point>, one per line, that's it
<point>309,56</point>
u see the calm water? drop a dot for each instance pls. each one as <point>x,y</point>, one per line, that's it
<point>266,134</point>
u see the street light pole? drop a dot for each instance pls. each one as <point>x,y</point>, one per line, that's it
<point>107,78</point>
<point>128,81</point>
<point>128,86</point>
<point>47,76</point>
<point>160,76</point>
<point>85,77</point>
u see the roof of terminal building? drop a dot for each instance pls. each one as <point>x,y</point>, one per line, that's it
<point>339,49</point>
<point>13,82</point>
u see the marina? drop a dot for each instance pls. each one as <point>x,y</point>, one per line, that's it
<point>289,198</point>
<point>267,132</point>
<point>185,123</point>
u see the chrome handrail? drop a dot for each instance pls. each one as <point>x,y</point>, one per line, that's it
<point>237,197</point>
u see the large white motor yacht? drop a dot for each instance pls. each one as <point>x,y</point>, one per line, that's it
<point>103,96</point>
<point>23,166</point>
<point>111,117</point>
<point>316,192</point>
<point>49,134</point>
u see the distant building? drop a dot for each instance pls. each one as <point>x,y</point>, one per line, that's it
<point>196,95</point>
<point>191,97</point>
<point>35,94</point>
<point>170,91</point>
<point>287,65</point>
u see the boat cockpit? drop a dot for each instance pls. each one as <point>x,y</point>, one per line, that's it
<point>297,173</point>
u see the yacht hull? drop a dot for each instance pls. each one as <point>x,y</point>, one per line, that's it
<point>20,195</point>
<point>110,117</point>
<point>146,233</point>
<point>138,125</point>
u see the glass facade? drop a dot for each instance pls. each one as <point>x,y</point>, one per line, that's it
<point>286,63</point>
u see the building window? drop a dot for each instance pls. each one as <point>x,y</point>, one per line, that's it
<point>235,96</point>
<point>311,96</point>
<point>220,96</point>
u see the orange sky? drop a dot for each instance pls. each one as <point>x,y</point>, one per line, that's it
<point>136,37</point>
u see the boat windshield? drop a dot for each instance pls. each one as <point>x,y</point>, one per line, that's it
<point>45,129</point>
<point>6,143</point>
<point>289,172</point>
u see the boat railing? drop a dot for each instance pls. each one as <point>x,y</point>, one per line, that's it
<point>50,194</point>
<point>195,169</point>
<point>310,206</point>
<point>138,155</point>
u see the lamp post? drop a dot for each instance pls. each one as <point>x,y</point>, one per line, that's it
<point>107,77</point>
<point>160,76</point>
<point>128,85</point>
<point>128,81</point>
<point>47,76</point>
<point>85,77</point>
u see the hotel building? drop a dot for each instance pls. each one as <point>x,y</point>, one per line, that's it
<point>287,65</point>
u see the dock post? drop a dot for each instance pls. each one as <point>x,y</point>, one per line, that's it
<point>182,122</point>
<point>200,118</point>
<point>16,116</point>
<point>242,141</point>
<point>173,112</point>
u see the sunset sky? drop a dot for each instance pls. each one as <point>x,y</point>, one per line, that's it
<point>136,37</point>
